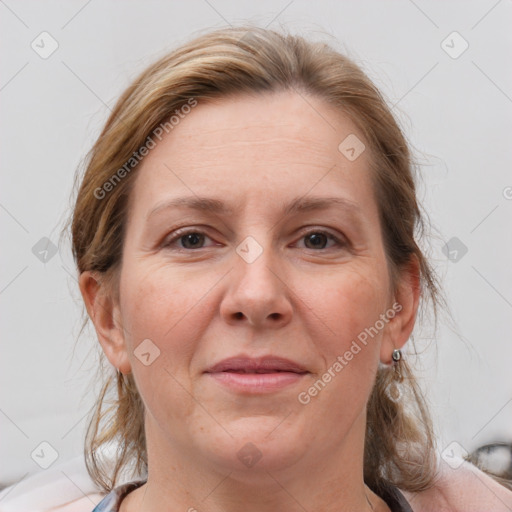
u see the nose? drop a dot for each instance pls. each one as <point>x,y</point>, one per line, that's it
<point>258,294</point>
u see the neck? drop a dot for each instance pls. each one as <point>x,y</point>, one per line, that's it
<point>329,482</point>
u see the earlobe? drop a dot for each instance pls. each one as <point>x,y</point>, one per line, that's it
<point>406,303</point>
<point>105,315</point>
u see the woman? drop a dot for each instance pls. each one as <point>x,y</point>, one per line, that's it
<point>245,238</point>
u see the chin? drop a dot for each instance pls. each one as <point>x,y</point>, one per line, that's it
<point>258,444</point>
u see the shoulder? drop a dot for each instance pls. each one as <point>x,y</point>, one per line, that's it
<point>463,489</point>
<point>85,504</point>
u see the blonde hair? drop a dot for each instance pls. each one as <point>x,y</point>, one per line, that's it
<point>399,446</point>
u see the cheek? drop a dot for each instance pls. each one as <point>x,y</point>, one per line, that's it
<point>349,301</point>
<point>163,316</point>
<point>163,306</point>
<point>350,305</point>
<point>158,298</point>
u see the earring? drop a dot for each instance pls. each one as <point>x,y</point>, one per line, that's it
<point>397,358</point>
<point>394,390</point>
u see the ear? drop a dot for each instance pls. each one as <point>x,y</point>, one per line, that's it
<point>105,315</point>
<point>405,305</point>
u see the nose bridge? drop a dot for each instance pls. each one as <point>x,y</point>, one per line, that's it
<point>254,267</point>
<point>257,292</point>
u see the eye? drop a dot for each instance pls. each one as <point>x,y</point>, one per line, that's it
<point>193,239</point>
<point>317,239</point>
<point>189,238</point>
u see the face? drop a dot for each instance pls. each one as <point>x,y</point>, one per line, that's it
<point>291,266</point>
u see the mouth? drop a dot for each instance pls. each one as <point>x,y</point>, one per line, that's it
<point>260,370</point>
<point>256,375</point>
<point>265,364</point>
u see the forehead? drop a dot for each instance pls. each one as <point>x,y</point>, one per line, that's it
<point>273,144</point>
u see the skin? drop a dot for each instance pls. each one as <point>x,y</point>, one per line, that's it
<point>297,300</point>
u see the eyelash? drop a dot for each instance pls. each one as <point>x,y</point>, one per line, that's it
<point>187,231</point>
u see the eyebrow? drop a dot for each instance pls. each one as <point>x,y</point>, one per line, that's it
<point>297,205</point>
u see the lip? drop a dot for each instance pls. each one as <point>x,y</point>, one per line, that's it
<point>262,364</point>
<point>256,375</point>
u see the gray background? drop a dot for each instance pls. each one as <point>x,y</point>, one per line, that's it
<point>457,113</point>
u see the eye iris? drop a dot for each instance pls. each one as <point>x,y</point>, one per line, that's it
<point>317,238</point>
<point>191,237</point>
